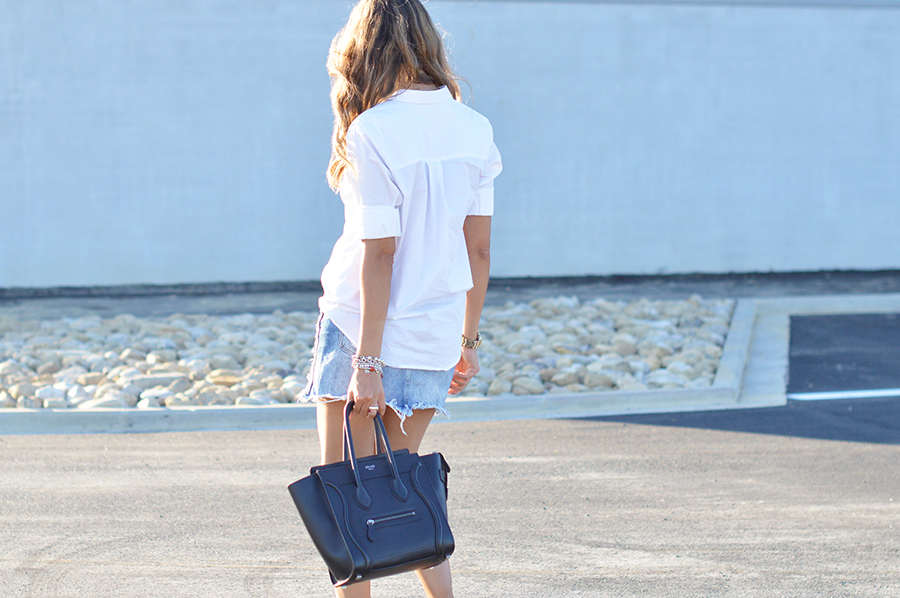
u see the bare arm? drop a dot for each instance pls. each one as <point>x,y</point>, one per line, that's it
<point>477,231</point>
<point>377,267</point>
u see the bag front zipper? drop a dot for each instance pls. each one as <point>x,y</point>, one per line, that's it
<point>371,523</point>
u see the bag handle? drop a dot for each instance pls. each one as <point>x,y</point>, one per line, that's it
<point>397,485</point>
<point>381,440</point>
<point>362,497</point>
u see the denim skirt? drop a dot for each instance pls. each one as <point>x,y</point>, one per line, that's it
<point>404,389</point>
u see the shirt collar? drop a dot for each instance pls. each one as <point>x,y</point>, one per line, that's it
<point>419,96</point>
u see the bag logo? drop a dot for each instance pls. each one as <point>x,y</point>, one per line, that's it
<point>370,467</point>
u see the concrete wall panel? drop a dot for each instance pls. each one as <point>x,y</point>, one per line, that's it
<point>174,141</point>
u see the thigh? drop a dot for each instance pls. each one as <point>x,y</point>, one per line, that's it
<point>415,426</point>
<point>330,424</point>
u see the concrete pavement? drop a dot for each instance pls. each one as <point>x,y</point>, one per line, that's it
<point>727,504</point>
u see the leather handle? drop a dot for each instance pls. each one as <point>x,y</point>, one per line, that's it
<point>381,442</point>
<point>361,495</point>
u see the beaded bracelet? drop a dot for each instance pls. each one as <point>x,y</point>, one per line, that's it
<point>368,364</point>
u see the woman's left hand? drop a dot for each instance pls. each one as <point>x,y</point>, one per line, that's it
<point>465,370</point>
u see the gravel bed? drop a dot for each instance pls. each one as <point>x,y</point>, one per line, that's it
<point>551,345</point>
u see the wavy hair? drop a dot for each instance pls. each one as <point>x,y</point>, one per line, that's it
<point>386,45</point>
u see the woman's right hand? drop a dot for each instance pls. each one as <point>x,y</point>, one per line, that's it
<point>366,390</point>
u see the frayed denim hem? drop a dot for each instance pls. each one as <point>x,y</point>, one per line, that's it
<point>402,412</point>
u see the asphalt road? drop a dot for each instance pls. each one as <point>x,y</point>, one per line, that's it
<point>844,353</point>
<point>797,501</point>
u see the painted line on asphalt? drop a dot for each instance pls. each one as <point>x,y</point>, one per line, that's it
<point>836,395</point>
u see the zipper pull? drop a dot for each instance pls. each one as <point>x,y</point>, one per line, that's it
<point>370,529</point>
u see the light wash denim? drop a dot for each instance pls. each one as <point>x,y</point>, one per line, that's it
<point>404,389</point>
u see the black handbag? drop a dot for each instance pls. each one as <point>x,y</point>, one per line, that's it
<point>378,515</point>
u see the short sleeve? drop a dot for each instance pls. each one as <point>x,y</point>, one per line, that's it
<point>484,200</point>
<point>370,187</point>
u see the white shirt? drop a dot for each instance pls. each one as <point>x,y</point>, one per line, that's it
<point>420,163</point>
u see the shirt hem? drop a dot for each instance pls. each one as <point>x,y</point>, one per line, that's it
<point>340,322</point>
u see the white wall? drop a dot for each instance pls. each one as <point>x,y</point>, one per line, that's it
<point>169,141</point>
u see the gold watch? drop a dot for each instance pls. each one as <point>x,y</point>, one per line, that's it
<point>466,343</point>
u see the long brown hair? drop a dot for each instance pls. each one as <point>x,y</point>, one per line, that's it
<point>386,45</point>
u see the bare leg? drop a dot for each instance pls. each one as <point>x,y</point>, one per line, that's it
<point>415,426</point>
<point>436,581</point>
<point>330,423</point>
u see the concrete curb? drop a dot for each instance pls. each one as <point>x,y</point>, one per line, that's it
<point>168,419</point>
<point>831,305</point>
<point>723,394</point>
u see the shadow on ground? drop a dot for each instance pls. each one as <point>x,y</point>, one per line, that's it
<point>859,420</point>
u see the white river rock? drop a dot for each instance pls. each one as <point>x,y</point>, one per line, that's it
<point>526,385</point>
<point>550,345</point>
<point>105,402</point>
<point>78,395</point>
<point>29,403</point>
<point>148,403</point>
<point>57,403</point>
<point>6,401</point>
<point>499,386</point>
<point>154,380</point>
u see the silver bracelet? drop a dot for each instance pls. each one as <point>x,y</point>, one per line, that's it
<point>368,364</point>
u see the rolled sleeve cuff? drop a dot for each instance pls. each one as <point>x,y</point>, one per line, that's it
<point>485,204</point>
<point>380,222</point>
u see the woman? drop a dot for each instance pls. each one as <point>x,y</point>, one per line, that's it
<point>415,169</point>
